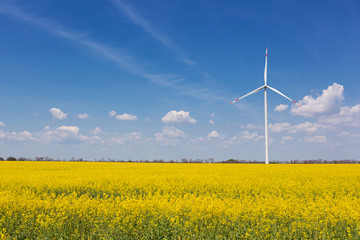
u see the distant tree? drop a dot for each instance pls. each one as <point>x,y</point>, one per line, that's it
<point>11,159</point>
<point>231,161</point>
<point>1,159</point>
<point>158,161</point>
<point>198,160</point>
<point>209,160</point>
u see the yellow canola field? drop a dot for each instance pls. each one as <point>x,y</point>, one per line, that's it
<point>85,200</point>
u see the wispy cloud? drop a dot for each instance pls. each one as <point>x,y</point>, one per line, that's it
<point>170,80</point>
<point>316,139</point>
<point>176,82</point>
<point>149,28</point>
<point>116,55</point>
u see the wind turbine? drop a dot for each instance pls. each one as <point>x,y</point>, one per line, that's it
<point>265,87</point>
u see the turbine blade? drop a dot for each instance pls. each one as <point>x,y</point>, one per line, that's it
<point>277,91</point>
<point>255,91</point>
<point>265,71</point>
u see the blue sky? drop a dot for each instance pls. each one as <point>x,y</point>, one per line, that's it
<point>153,80</point>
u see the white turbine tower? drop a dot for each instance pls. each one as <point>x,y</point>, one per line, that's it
<point>265,87</point>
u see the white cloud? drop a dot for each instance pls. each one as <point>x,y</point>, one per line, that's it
<point>112,113</point>
<point>69,129</point>
<point>315,139</point>
<point>170,136</point>
<point>307,127</point>
<point>2,134</point>
<point>252,126</point>
<point>126,137</point>
<point>280,108</point>
<point>233,140</point>
<point>245,136</point>
<point>46,128</point>
<point>213,134</point>
<point>344,133</point>
<point>301,127</point>
<point>212,115</point>
<point>347,116</point>
<point>197,140</point>
<point>326,103</point>
<point>286,139</point>
<point>2,124</point>
<point>70,134</point>
<point>96,130</point>
<point>95,140</point>
<point>21,136</point>
<point>211,122</point>
<point>126,116</point>
<point>178,117</point>
<point>83,115</point>
<point>172,131</point>
<point>57,113</point>
<point>63,133</point>
<point>251,136</point>
<point>279,127</point>
<point>17,136</point>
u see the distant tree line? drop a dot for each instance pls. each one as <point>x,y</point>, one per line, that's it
<point>186,160</point>
<point>317,161</point>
